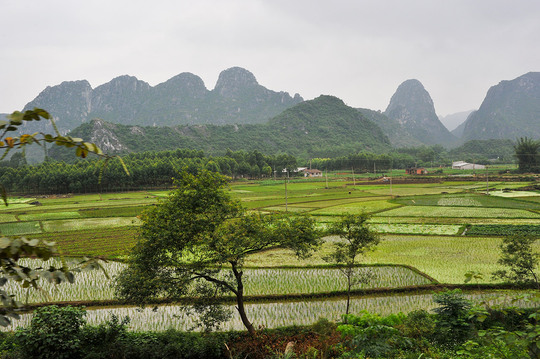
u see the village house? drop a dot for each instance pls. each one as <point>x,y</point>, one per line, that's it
<point>311,172</point>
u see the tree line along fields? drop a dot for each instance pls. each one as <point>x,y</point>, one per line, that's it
<point>412,233</point>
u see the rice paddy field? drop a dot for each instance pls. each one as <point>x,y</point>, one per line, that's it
<point>429,232</point>
<point>94,285</point>
<point>275,314</point>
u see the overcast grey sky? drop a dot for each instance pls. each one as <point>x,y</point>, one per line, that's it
<point>359,51</point>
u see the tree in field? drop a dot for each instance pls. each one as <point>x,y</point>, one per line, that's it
<point>526,152</point>
<point>194,244</point>
<point>520,259</point>
<point>13,248</point>
<point>356,238</point>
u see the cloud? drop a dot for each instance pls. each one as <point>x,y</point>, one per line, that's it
<point>359,51</point>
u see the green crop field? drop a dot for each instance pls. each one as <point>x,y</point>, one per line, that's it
<point>49,215</point>
<point>356,208</point>
<point>6,217</point>
<point>453,220</point>
<point>407,228</point>
<point>445,258</point>
<point>514,194</point>
<point>467,200</point>
<point>87,223</point>
<point>413,190</point>
<point>457,212</point>
<point>107,242</point>
<point>503,230</point>
<point>94,285</point>
<point>133,211</point>
<point>19,228</point>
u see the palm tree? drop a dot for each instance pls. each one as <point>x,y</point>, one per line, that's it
<point>527,154</point>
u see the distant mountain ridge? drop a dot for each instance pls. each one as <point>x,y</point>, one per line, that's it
<point>183,99</point>
<point>238,104</point>
<point>510,110</point>
<point>454,120</point>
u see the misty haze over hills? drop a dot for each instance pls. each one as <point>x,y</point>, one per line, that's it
<point>454,120</point>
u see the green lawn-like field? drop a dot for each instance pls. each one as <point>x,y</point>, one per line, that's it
<point>44,216</point>
<point>19,228</point>
<point>107,242</point>
<point>467,200</point>
<point>413,190</point>
<point>87,223</point>
<point>356,208</point>
<point>453,220</point>
<point>445,258</point>
<point>7,217</point>
<point>426,229</point>
<point>457,212</point>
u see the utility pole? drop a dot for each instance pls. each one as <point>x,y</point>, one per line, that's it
<point>487,181</point>
<point>286,193</point>
<point>326,178</point>
<point>391,166</point>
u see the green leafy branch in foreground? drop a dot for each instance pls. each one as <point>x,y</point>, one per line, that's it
<point>18,119</point>
<point>13,248</point>
<point>520,340</point>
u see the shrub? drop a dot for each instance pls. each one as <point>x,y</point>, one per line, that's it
<point>171,344</point>
<point>452,325</point>
<point>419,324</point>
<point>519,257</point>
<point>374,336</point>
<point>54,332</point>
<point>108,338</point>
<point>379,341</point>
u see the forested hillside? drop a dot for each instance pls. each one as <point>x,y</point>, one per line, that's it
<point>482,150</point>
<point>323,127</point>
<point>397,135</point>
<point>510,109</point>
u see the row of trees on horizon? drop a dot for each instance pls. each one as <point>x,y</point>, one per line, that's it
<point>156,169</point>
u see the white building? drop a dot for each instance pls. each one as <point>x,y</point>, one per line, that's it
<point>461,165</point>
<point>312,173</point>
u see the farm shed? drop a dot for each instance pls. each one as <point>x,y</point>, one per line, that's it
<point>416,171</point>
<point>461,165</point>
